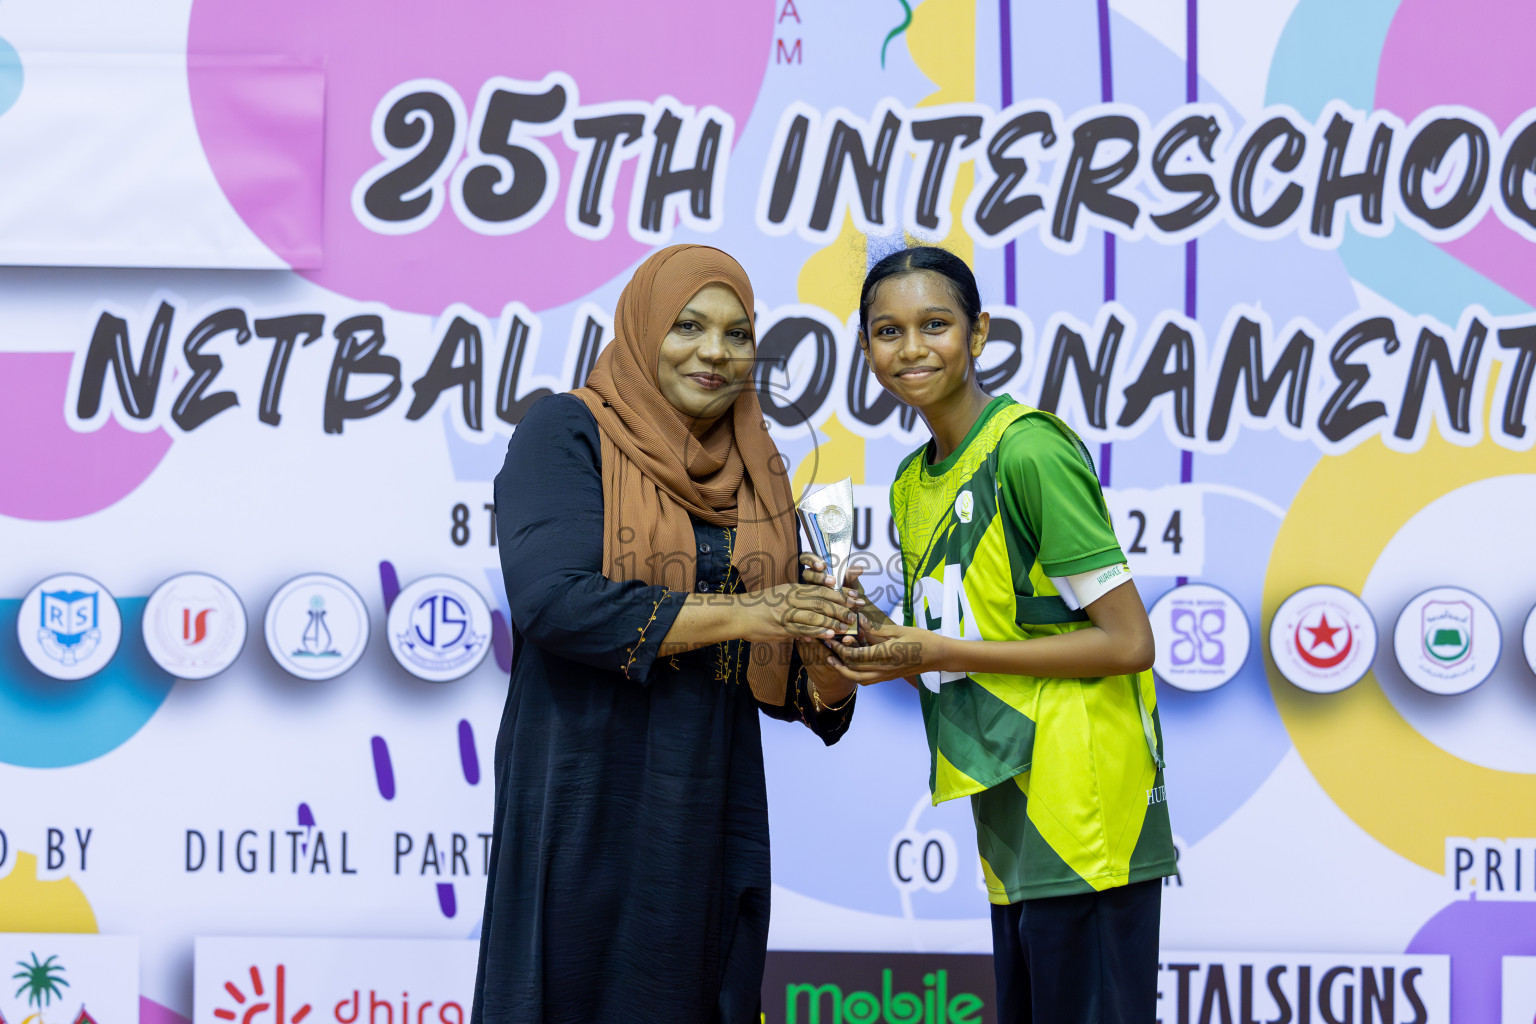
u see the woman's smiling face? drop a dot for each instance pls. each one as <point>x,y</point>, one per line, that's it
<point>920,344</point>
<point>707,357</point>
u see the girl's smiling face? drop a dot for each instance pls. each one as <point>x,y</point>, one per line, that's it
<point>920,343</point>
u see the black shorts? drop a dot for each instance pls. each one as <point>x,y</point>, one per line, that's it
<point>1084,959</point>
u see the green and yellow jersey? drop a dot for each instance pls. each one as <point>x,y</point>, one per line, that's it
<point>1065,775</point>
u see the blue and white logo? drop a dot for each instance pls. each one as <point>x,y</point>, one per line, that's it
<point>317,626</point>
<point>69,626</point>
<point>439,628</point>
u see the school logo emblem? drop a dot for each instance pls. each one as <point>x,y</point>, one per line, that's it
<point>1447,640</point>
<point>1448,631</point>
<point>1528,640</point>
<point>1323,639</point>
<point>317,626</point>
<point>69,627</point>
<point>965,506</point>
<point>439,628</point>
<point>194,626</point>
<point>1202,637</point>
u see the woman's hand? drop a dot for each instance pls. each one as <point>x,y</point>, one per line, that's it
<point>796,611</point>
<point>895,652</point>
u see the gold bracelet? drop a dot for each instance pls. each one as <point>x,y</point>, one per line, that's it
<point>816,698</point>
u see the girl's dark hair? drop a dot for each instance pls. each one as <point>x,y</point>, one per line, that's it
<point>923,257</point>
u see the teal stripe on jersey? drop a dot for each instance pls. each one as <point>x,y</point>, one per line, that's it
<point>983,488</point>
<point>977,732</point>
<point>1050,610</point>
<point>1015,851</point>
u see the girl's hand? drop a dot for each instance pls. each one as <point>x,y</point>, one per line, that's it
<point>813,570</point>
<point>895,652</point>
<point>870,615</point>
<point>829,685</point>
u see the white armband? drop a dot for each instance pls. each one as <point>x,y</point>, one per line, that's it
<point>1082,589</point>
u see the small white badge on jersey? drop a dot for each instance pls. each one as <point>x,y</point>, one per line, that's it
<point>965,506</point>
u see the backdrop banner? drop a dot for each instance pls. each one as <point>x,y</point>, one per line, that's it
<point>283,278</point>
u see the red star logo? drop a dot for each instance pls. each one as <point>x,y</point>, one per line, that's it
<point>1322,633</point>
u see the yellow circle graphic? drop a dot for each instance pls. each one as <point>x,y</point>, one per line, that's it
<point>30,905</point>
<point>1398,786</point>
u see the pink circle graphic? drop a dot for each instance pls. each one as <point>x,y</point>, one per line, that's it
<point>48,471</point>
<point>253,67</point>
<point>1473,53</point>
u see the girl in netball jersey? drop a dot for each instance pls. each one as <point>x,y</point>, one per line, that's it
<point>1033,651</point>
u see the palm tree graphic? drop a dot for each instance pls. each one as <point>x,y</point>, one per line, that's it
<point>40,981</point>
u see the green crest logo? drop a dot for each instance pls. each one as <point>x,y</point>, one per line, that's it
<point>1447,631</point>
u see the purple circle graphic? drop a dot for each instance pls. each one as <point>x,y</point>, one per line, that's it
<point>1471,53</point>
<point>50,472</point>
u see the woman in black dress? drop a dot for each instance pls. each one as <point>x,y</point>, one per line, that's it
<point>647,542</point>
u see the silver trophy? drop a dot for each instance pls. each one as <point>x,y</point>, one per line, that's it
<point>827,516</point>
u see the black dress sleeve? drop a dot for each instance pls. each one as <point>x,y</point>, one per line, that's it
<point>798,706</point>
<point>549,524</point>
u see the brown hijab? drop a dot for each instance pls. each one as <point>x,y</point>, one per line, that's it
<point>660,465</point>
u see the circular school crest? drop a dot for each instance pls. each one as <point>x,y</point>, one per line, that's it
<point>1323,639</point>
<point>1528,640</point>
<point>194,626</point>
<point>439,628</point>
<point>1447,640</point>
<point>69,626</point>
<point>1202,637</point>
<point>316,626</point>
